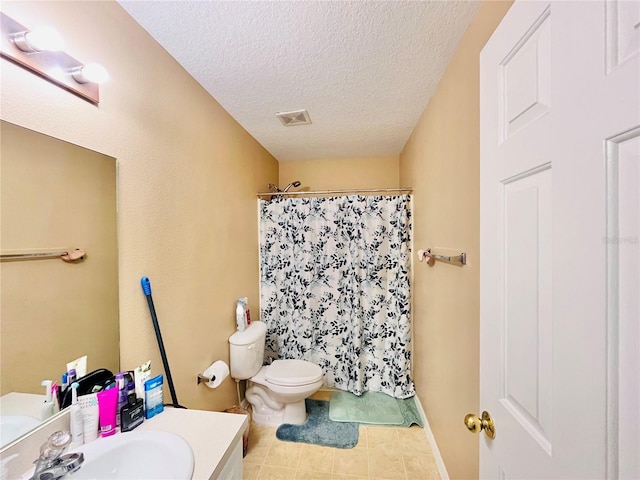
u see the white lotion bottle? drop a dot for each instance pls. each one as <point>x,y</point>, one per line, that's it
<point>241,316</point>
<point>47,407</point>
<point>75,418</point>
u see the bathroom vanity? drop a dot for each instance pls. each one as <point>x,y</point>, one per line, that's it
<point>215,439</point>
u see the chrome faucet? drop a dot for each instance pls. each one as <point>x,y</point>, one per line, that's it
<point>51,464</point>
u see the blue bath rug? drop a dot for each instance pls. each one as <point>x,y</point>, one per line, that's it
<point>319,429</point>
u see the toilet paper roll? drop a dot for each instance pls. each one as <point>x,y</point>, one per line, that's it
<point>219,370</point>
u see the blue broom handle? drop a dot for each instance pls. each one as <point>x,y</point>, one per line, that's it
<point>146,288</point>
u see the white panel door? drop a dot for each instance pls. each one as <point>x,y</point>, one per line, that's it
<point>560,241</point>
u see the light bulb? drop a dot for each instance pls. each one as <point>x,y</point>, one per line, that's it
<point>39,40</point>
<point>91,72</point>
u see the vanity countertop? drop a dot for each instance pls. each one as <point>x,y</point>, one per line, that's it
<point>212,435</point>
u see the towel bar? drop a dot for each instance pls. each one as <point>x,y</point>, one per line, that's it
<point>454,259</point>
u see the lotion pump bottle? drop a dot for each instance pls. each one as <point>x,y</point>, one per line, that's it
<point>47,407</point>
<point>75,418</point>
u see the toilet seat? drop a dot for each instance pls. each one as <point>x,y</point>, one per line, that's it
<point>292,373</point>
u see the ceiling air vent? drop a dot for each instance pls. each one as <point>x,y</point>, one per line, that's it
<point>297,117</point>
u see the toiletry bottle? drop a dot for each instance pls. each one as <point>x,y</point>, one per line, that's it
<point>71,376</point>
<point>79,366</point>
<point>141,374</point>
<point>246,308</point>
<point>153,396</point>
<point>55,397</point>
<point>122,395</point>
<point>107,405</point>
<point>241,316</point>
<point>132,414</point>
<point>47,407</point>
<point>75,418</point>
<point>90,416</point>
<point>64,385</point>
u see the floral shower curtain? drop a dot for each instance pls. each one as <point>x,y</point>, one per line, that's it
<point>335,288</point>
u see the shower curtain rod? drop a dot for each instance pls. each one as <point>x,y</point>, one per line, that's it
<point>341,192</point>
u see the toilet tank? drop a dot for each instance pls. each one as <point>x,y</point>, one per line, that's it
<point>247,351</point>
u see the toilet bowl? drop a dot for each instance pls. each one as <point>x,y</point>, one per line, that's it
<point>277,392</point>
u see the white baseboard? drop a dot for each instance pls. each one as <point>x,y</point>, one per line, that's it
<point>444,475</point>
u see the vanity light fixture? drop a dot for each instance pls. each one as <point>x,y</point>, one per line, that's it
<point>91,72</point>
<point>39,40</point>
<point>39,51</point>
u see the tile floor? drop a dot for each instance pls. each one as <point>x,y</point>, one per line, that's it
<point>381,453</point>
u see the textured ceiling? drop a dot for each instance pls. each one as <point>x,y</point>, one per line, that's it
<point>364,70</point>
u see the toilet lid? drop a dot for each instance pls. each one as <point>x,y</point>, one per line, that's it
<point>293,372</point>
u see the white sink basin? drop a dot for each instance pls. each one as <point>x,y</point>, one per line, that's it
<point>136,455</point>
<point>14,426</point>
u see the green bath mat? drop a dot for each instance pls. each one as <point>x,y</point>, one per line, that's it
<point>409,412</point>
<point>319,429</point>
<point>374,408</point>
<point>370,407</point>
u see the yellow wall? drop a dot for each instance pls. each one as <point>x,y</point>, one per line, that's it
<point>187,178</point>
<point>441,162</point>
<point>341,173</point>
<point>55,196</point>
<point>188,174</point>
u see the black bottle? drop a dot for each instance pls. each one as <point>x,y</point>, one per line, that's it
<point>132,414</point>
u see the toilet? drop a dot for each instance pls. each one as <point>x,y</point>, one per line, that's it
<point>276,392</point>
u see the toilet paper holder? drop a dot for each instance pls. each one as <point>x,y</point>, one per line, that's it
<point>202,378</point>
<point>214,374</point>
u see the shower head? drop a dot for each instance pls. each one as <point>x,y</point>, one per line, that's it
<point>276,191</point>
<point>295,184</point>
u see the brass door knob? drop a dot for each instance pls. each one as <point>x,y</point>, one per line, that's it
<point>475,424</point>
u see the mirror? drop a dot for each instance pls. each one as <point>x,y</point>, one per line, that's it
<point>54,196</point>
